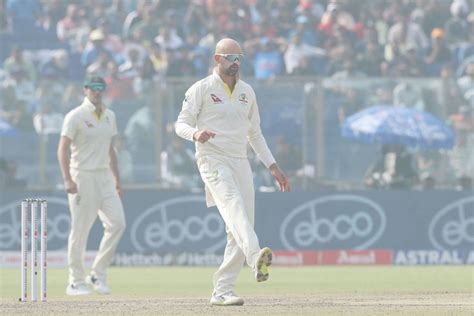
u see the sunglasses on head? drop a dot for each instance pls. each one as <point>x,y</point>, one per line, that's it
<point>96,88</point>
<point>233,58</point>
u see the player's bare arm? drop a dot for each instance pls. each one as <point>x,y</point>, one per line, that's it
<point>64,158</point>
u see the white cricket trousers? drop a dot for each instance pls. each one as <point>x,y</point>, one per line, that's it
<point>230,182</point>
<point>96,195</point>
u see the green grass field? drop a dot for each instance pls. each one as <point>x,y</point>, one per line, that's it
<point>443,290</point>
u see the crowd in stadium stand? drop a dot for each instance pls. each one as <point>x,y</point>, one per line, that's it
<point>47,44</point>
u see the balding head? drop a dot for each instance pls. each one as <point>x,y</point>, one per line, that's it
<point>228,46</point>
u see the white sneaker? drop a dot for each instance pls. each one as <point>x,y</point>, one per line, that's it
<point>100,286</point>
<point>226,299</point>
<point>264,260</point>
<point>78,289</point>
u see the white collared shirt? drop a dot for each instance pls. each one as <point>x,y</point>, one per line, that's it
<point>90,136</point>
<point>234,117</point>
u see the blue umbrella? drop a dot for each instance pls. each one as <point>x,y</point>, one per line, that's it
<point>6,129</point>
<point>398,125</point>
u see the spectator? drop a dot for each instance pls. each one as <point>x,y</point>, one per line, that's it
<point>196,17</point>
<point>56,68</point>
<point>439,53</point>
<point>306,31</point>
<point>48,121</point>
<point>148,25</point>
<point>18,63</point>
<point>19,117</point>
<point>457,27</point>
<point>136,41</point>
<point>199,56</point>
<point>339,48</point>
<point>99,66</point>
<point>178,166</point>
<point>169,39</point>
<point>118,88</point>
<point>24,88</point>
<point>134,17</point>
<point>132,67</point>
<point>451,91</point>
<point>400,168</point>
<point>156,65</point>
<point>115,16</point>
<point>5,25</point>
<point>267,57</point>
<point>54,75</point>
<point>462,155</point>
<point>407,64</point>
<point>73,28</point>
<point>466,84</point>
<point>91,54</point>
<point>405,35</point>
<point>8,176</point>
<point>371,59</point>
<point>435,15</point>
<point>349,71</point>
<point>299,55</point>
<point>406,95</point>
<point>112,42</point>
<point>140,132</point>
<point>23,15</point>
<point>335,17</point>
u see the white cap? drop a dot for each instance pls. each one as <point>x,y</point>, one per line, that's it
<point>97,35</point>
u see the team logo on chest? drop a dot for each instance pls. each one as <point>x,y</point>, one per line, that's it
<point>243,99</point>
<point>215,99</point>
<point>88,124</point>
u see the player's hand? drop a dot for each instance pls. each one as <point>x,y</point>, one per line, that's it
<point>70,186</point>
<point>203,136</point>
<point>281,178</point>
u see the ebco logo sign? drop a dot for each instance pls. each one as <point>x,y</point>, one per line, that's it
<point>165,227</point>
<point>453,226</point>
<point>337,221</point>
<point>59,223</point>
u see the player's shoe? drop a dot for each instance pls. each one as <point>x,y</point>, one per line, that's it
<point>78,289</point>
<point>100,286</point>
<point>264,260</point>
<point>226,299</point>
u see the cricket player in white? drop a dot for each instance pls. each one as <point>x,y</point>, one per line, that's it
<point>91,178</point>
<point>220,114</point>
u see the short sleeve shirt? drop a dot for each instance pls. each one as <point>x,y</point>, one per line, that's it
<point>90,136</point>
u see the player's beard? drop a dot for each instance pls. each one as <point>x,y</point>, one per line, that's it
<point>232,70</point>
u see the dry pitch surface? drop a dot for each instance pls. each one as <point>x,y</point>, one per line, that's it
<point>322,304</point>
<point>297,291</point>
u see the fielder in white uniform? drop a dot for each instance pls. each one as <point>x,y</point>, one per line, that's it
<point>220,114</point>
<point>91,178</point>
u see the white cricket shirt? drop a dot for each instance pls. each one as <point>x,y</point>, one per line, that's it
<point>234,117</point>
<point>90,136</point>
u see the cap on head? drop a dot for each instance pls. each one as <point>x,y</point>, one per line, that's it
<point>95,82</point>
